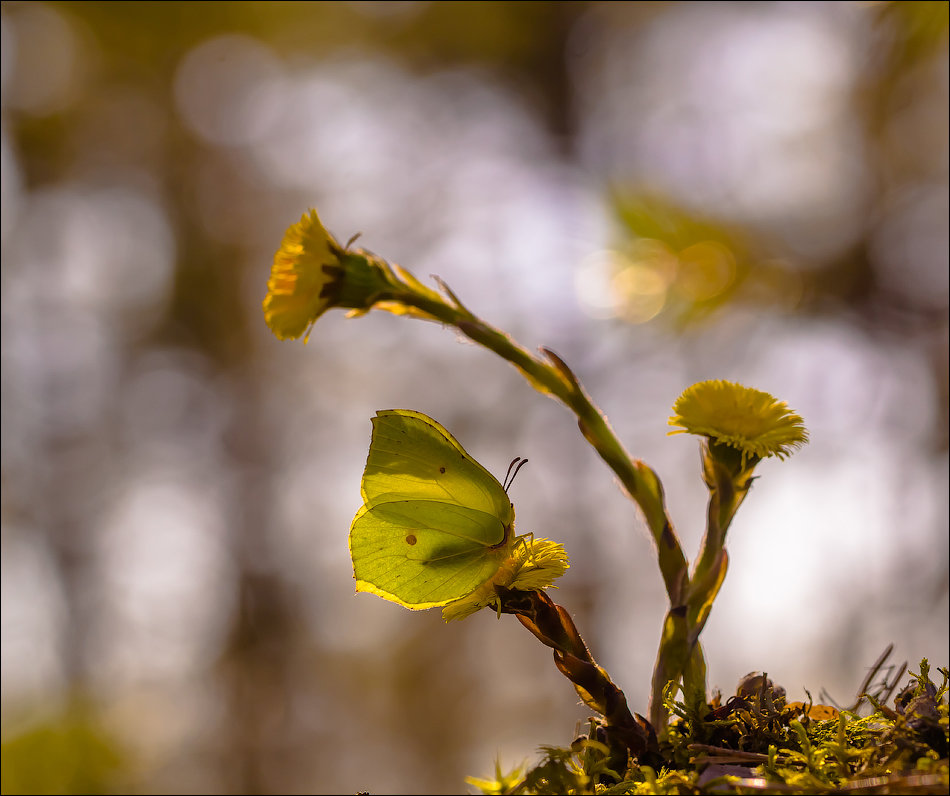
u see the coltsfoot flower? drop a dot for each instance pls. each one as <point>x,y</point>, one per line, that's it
<point>313,273</point>
<point>533,564</point>
<point>751,421</point>
<point>305,278</point>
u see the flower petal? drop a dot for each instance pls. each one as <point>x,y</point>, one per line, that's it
<point>303,278</point>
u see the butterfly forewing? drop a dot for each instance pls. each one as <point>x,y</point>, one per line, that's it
<point>412,457</point>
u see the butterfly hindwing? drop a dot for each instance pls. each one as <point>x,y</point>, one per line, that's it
<point>402,551</point>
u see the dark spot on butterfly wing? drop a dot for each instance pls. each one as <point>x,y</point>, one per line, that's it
<point>410,539</point>
<point>442,470</point>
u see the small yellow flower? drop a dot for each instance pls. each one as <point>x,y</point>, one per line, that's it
<point>304,279</point>
<point>533,564</point>
<point>751,421</point>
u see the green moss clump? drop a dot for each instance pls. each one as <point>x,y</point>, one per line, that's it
<point>757,742</point>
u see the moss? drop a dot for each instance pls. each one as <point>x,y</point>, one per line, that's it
<point>757,742</point>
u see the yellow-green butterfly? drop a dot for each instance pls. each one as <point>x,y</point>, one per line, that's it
<point>435,524</point>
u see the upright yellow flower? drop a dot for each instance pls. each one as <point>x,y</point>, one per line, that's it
<point>751,421</point>
<point>304,279</point>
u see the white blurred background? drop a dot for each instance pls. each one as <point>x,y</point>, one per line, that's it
<point>660,192</point>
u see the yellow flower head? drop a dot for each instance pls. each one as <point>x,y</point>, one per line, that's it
<point>304,279</point>
<point>751,421</point>
<point>533,564</point>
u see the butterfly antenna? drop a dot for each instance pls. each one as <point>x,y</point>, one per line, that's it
<point>516,464</point>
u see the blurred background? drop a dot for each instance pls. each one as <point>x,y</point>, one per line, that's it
<point>660,192</point>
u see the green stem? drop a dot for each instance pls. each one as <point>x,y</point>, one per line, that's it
<point>728,476</point>
<point>555,378</point>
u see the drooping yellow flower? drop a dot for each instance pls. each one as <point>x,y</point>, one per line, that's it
<point>304,279</point>
<point>749,420</point>
<point>533,564</point>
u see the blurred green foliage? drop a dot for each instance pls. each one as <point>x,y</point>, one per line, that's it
<point>67,753</point>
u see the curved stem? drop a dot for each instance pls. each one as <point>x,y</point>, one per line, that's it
<point>555,378</point>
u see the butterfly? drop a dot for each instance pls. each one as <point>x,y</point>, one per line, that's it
<point>434,524</point>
